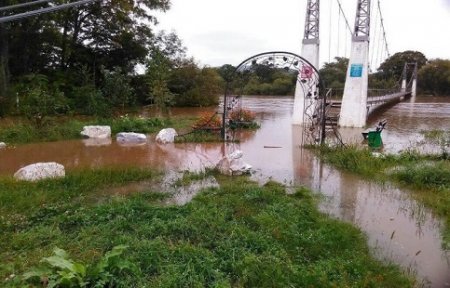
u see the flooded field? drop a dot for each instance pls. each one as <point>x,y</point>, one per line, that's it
<point>398,228</point>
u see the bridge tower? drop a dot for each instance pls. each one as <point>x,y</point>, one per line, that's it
<point>404,76</point>
<point>310,51</point>
<point>354,101</point>
<point>414,82</point>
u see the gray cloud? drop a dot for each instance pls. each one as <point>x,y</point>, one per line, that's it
<point>226,46</point>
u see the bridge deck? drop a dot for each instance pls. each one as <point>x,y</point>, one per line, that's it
<point>373,100</point>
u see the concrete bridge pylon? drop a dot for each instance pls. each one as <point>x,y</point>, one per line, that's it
<point>310,51</point>
<point>354,102</point>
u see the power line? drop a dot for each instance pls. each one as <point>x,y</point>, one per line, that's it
<point>11,7</point>
<point>44,10</point>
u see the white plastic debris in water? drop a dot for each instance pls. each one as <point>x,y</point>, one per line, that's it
<point>131,137</point>
<point>232,164</point>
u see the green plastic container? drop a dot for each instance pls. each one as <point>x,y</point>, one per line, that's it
<point>374,139</point>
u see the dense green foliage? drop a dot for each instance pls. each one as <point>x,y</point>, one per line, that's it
<point>333,74</point>
<point>393,66</point>
<point>260,80</point>
<point>435,77</point>
<point>428,176</point>
<point>85,60</point>
<point>239,235</point>
<point>268,81</point>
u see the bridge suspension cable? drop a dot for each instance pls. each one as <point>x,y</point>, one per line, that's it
<point>379,50</point>
<point>384,30</point>
<point>44,10</point>
<point>340,31</point>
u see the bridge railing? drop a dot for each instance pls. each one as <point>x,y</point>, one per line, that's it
<point>373,95</point>
<point>334,94</point>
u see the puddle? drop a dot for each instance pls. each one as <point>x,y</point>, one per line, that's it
<point>179,194</point>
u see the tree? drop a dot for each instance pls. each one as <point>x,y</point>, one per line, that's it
<point>226,72</point>
<point>434,77</point>
<point>393,66</point>
<point>159,69</point>
<point>333,73</point>
<point>169,72</point>
<point>196,87</point>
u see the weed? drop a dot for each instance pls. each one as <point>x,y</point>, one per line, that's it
<point>61,271</point>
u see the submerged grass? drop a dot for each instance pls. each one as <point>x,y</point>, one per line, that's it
<point>239,235</point>
<point>427,175</point>
<point>199,137</point>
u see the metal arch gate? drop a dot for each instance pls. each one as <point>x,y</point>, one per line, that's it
<point>308,80</point>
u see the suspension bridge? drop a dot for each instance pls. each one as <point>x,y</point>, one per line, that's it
<point>356,101</point>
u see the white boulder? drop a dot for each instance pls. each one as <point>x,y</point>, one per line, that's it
<point>131,137</point>
<point>2,145</point>
<point>166,136</point>
<point>101,132</point>
<point>39,171</point>
<point>232,164</point>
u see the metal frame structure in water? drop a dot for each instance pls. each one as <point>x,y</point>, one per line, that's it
<point>308,77</point>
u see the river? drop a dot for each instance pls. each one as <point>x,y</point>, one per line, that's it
<point>398,229</point>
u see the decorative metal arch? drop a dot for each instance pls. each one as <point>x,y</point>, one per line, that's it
<point>308,80</point>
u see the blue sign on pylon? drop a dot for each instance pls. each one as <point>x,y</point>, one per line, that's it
<point>356,70</point>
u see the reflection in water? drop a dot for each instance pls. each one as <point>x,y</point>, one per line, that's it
<point>398,228</point>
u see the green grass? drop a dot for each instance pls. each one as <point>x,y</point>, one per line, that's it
<point>199,137</point>
<point>241,235</point>
<point>428,176</point>
<point>24,132</point>
<point>20,131</point>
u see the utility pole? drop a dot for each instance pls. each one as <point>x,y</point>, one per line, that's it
<point>310,51</point>
<point>354,101</point>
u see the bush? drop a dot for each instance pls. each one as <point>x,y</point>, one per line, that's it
<point>40,100</point>
<point>137,124</point>
<point>242,115</point>
<point>208,121</point>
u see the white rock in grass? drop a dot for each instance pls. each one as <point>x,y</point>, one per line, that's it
<point>166,136</point>
<point>232,164</point>
<point>131,137</point>
<point>101,132</point>
<point>39,171</point>
<point>2,145</point>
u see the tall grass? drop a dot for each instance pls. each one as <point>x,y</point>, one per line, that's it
<point>239,235</point>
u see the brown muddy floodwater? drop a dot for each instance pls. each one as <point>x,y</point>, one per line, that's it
<point>399,229</point>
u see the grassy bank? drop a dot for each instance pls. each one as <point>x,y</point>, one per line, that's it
<point>239,235</point>
<point>19,130</point>
<point>427,176</point>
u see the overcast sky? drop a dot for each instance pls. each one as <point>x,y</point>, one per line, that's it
<point>218,32</point>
